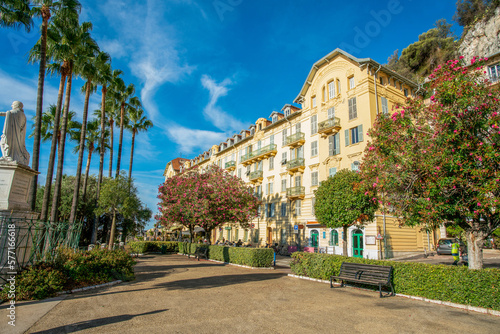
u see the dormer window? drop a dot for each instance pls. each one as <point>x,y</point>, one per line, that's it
<point>287,112</point>
<point>313,102</point>
<point>275,118</point>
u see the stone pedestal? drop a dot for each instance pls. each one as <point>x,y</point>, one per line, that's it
<point>15,184</point>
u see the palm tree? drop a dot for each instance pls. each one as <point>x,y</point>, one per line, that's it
<point>137,122</point>
<point>16,14</point>
<point>88,69</point>
<point>112,109</point>
<point>78,42</point>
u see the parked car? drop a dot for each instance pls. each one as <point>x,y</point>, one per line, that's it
<point>443,246</point>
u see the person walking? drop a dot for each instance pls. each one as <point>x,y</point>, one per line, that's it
<point>455,252</point>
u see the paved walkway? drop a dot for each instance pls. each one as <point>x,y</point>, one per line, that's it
<point>174,294</point>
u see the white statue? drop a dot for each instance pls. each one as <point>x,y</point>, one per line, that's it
<point>12,141</point>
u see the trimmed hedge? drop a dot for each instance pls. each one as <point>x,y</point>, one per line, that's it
<point>141,247</point>
<point>253,257</point>
<point>447,283</point>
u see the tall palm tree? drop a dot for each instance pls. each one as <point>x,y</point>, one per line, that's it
<point>137,122</point>
<point>79,42</point>
<point>16,14</point>
<point>88,70</point>
<point>124,95</point>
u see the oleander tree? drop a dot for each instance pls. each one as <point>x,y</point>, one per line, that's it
<point>439,162</point>
<point>342,202</point>
<point>206,199</point>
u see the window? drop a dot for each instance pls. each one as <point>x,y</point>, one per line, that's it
<point>332,171</point>
<point>334,144</point>
<point>355,166</point>
<point>260,126</point>
<point>283,158</point>
<point>381,80</point>
<point>298,180</point>
<point>248,170</point>
<point>314,124</point>
<point>314,149</point>
<point>297,128</point>
<point>334,238</point>
<point>271,139</point>
<point>287,112</point>
<point>331,113</point>
<point>354,135</point>
<point>314,101</point>
<point>283,185</point>
<point>258,191</point>
<point>395,84</point>
<point>351,83</point>
<point>324,93</point>
<point>314,178</point>
<point>259,165</point>
<point>338,86</point>
<point>353,111</point>
<point>406,92</point>
<point>298,206</point>
<point>283,139</point>
<point>283,209</point>
<point>271,186</point>
<point>275,118</point>
<point>331,90</point>
<point>385,106</point>
<point>271,163</point>
<point>494,72</point>
<point>267,189</point>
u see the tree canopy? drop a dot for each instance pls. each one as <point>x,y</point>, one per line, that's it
<point>439,162</point>
<point>341,202</point>
<point>206,199</point>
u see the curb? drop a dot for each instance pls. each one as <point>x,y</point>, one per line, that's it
<point>433,301</point>
<point>232,264</point>
<point>91,287</point>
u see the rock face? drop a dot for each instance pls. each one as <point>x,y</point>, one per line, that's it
<point>483,39</point>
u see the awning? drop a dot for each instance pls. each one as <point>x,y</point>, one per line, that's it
<point>314,224</point>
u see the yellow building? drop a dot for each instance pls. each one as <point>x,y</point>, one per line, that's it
<point>286,156</point>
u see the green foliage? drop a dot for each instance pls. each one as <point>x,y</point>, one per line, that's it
<point>253,257</point>
<point>341,202</point>
<point>120,195</point>
<point>141,247</point>
<point>447,283</point>
<point>469,11</point>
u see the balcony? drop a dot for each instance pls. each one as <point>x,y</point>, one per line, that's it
<point>295,140</point>
<point>295,165</point>
<point>230,165</point>
<point>329,127</point>
<point>295,192</point>
<point>258,155</point>
<point>256,176</point>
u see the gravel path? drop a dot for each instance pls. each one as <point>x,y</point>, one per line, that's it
<point>174,294</point>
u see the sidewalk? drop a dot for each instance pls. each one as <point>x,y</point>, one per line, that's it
<point>174,294</point>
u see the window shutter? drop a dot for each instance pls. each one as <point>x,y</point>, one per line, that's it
<point>354,108</point>
<point>346,137</point>
<point>337,144</point>
<point>331,150</point>
<point>360,132</point>
<point>350,108</point>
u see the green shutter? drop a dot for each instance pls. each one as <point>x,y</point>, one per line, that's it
<point>337,144</point>
<point>360,132</point>
<point>354,108</point>
<point>346,137</point>
<point>331,148</point>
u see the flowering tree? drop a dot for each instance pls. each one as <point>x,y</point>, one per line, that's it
<point>440,161</point>
<point>340,202</point>
<point>206,199</point>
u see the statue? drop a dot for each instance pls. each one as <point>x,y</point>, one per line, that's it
<point>12,141</point>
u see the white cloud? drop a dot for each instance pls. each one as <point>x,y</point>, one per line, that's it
<point>189,139</point>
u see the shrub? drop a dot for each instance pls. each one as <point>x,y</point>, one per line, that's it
<point>141,247</point>
<point>253,257</point>
<point>454,284</point>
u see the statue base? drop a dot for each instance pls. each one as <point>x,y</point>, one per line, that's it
<point>15,184</point>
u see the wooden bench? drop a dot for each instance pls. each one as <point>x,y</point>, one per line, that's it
<point>365,274</point>
<point>201,251</point>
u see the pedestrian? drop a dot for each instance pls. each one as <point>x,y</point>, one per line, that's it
<point>455,252</point>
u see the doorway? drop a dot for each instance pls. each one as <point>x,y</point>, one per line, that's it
<point>357,243</point>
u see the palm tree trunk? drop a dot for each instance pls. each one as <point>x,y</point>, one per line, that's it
<point>85,180</point>
<point>119,158</point>
<point>55,140</point>
<point>103,129</point>
<point>39,104</point>
<point>111,126</point>
<point>131,157</point>
<point>113,228</point>
<point>60,154</point>
<point>83,133</point>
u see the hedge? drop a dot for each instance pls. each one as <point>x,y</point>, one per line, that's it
<point>253,257</point>
<point>447,283</point>
<point>141,247</point>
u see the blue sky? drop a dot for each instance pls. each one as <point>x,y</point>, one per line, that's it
<point>207,69</point>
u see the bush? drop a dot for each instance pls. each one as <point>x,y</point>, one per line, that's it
<point>253,257</point>
<point>141,247</point>
<point>447,283</point>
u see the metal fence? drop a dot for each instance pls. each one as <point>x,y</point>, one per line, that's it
<point>25,242</point>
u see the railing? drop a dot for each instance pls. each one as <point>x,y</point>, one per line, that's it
<point>230,164</point>
<point>329,123</point>
<point>256,174</point>
<point>295,138</point>
<point>295,191</point>
<point>260,151</point>
<point>299,162</point>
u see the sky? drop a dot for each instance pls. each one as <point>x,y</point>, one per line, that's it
<point>206,69</point>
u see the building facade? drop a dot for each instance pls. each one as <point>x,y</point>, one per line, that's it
<point>286,156</point>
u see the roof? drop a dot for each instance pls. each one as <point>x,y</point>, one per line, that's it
<point>176,163</point>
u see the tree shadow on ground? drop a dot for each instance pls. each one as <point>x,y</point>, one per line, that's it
<point>76,327</point>
<point>144,273</point>
<point>217,281</point>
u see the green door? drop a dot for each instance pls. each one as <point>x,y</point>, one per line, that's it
<point>314,238</point>
<point>357,243</point>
